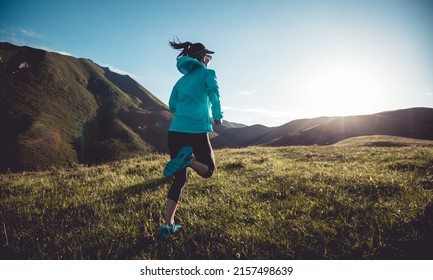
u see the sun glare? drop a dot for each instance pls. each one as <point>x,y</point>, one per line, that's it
<point>344,84</point>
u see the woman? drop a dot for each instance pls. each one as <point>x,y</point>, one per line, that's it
<point>188,140</point>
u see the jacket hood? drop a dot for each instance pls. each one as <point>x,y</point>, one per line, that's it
<point>186,64</point>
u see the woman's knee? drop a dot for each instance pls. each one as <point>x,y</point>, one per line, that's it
<point>208,174</point>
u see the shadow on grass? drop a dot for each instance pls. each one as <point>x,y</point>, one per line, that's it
<point>122,195</point>
<point>139,188</point>
<point>420,249</point>
<point>6,253</point>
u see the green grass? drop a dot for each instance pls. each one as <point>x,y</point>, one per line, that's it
<point>384,141</point>
<point>318,202</point>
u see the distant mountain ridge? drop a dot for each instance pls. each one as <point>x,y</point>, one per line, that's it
<point>412,123</point>
<point>57,110</point>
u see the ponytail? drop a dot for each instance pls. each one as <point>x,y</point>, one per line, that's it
<point>185,46</point>
<point>196,50</point>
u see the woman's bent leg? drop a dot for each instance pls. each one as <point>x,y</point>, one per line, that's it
<point>204,162</point>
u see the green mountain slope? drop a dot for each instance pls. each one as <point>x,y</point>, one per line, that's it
<point>58,110</point>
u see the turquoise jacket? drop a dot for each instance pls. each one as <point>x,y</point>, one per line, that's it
<point>192,97</point>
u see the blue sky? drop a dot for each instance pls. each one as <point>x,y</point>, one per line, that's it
<point>276,60</point>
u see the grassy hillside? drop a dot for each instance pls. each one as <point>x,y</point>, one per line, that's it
<point>59,110</point>
<point>318,202</point>
<point>384,141</point>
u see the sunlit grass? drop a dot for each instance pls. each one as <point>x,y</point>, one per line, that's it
<point>333,202</point>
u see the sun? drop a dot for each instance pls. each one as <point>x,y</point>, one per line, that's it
<point>344,84</point>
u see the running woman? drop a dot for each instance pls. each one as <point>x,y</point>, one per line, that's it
<point>192,96</point>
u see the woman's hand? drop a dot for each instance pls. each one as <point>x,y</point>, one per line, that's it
<point>218,122</point>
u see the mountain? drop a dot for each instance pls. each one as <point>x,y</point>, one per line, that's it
<point>60,110</point>
<point>412,123</point>
<point>57,110</point>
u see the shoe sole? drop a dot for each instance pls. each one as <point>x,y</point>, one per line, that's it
<point>179,162</point>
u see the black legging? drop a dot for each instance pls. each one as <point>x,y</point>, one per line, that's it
<point>202,151</point>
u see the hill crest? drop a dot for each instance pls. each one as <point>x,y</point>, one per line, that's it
<point>411,123</point>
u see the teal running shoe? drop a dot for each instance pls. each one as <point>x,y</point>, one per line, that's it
<point>181,161</point>
<point>165,231</point>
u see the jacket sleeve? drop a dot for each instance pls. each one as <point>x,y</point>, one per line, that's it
<point>214,95</point>
<point>172,102</point>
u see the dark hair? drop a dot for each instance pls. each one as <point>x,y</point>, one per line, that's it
<point>196,50</point>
